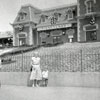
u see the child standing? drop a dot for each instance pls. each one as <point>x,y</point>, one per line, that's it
<point>45,77</point>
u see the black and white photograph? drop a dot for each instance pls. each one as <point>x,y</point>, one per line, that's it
<point>49,49</point>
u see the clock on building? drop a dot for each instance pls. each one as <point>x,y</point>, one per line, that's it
<point>20,27</point>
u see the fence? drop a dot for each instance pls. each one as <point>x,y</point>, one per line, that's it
<point>57,61</point>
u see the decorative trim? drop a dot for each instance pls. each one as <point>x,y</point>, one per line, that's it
<point>53,27</point>
<point>78,30</point>
<point>31,40</point>
<point>14,37</point>
<point>89,0</point>
<point>30,13</point>
<point>84,27</point>
<point>78,8</point>
<point>70,9</point>
<point>22,33</point>
<point>87,5</point>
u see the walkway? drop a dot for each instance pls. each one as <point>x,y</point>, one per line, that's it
<point>48,93</point>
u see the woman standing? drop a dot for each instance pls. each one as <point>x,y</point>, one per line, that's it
<point>36,74</point>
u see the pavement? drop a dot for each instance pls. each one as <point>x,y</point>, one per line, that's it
<point>10,92</point>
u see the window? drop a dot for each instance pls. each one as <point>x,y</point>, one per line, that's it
<point>44,18</point>
<point>57,16</point>
<point>22,16</point>
<point>89,5</point>
<point>69,14</point>
<point>56,39</point>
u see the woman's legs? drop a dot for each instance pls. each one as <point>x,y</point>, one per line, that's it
<point>34,82</point>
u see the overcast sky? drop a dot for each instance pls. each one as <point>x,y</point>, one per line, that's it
<point>10,8</point>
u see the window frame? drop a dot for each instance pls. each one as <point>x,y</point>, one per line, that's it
<point>22,16</point>
<point>69,14</point>
<point>90,6</point>
<point>43,18</point>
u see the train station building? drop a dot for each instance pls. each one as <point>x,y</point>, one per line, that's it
<point>78,22</point>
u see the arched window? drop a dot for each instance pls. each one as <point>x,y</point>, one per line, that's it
<point>89,5</point>
<point>57,15</point>
<point>43,18</point>
<point>69,14</point>
<point>22,16</point>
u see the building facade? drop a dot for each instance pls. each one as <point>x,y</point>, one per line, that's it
<point>88,20</point>
<point>72,23</point>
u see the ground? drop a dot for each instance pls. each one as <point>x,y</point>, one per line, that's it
<point>48,93</point>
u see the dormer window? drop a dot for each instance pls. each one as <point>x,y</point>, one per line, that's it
<point>44,18</point>
<point>69,14</point>
<point>22,16</point>
<point>89,5</point>
<point>57,16</point>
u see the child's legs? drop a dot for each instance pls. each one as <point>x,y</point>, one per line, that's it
<point>43,81</point>
<point>46,82</point>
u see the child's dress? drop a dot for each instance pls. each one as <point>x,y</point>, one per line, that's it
<point>45,74</point>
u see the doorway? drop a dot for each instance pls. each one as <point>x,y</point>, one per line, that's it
<point>57,39</point>
<point>91,36</point>
<point>22,39</point>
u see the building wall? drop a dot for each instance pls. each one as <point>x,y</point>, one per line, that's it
<point>82,6</point>
<point>83,33</point>
<point>84,19</point>
<point>64,37</point>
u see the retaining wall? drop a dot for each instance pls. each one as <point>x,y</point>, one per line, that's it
<point>70,79</point>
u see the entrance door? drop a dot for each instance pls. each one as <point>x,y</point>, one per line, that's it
<point>91,35</point>
<point>22,38</point>
<point>22,41</point>
<point>56,39</point>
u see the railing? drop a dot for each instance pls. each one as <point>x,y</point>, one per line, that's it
<point>67,61</point>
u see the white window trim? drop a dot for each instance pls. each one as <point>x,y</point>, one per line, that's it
<point>45,19</point>
<point>68,13</point>
<point>84,27</point>
<point>87,5</point>
<point>22,33</point>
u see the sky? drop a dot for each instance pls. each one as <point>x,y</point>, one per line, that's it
<point>10,8</point>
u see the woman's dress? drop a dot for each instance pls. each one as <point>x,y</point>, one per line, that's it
<point>36,70</point>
